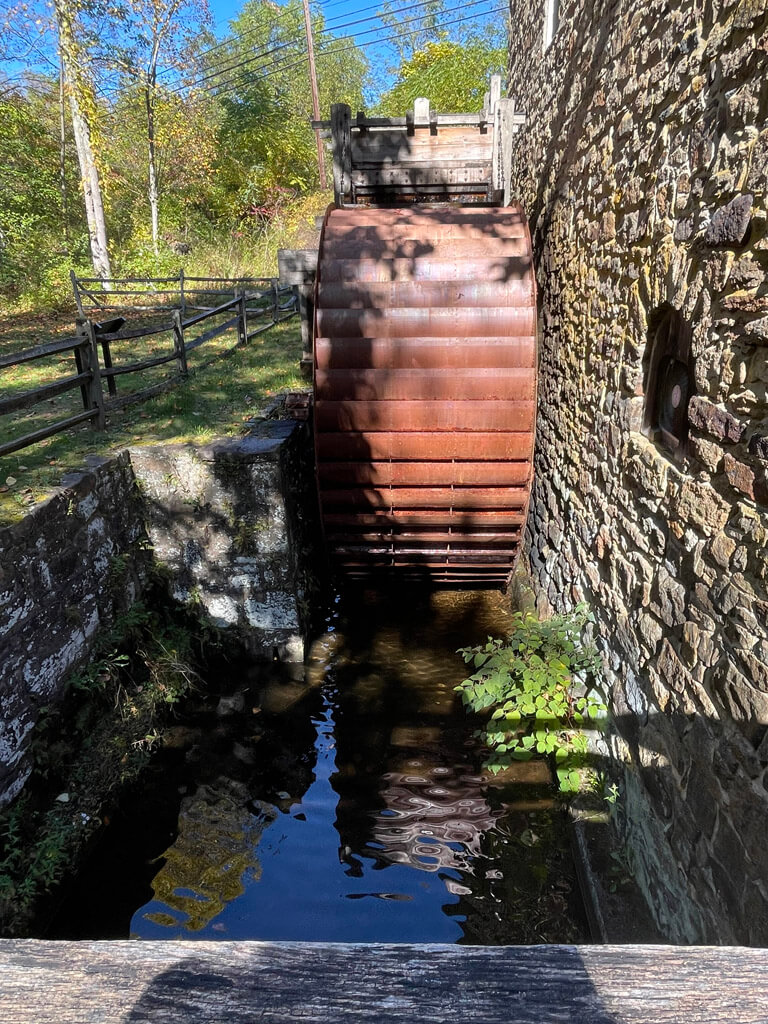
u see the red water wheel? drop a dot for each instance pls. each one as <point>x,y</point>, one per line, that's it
<point>425,390</point>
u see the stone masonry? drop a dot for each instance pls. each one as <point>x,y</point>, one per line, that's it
<point>643,168</point>
<point>228,525</point>
<point>58,575</point>
<point>228,530</point>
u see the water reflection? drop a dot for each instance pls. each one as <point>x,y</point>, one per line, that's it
<point>398,837</point>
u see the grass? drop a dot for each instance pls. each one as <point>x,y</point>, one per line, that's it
<point>217,400</point>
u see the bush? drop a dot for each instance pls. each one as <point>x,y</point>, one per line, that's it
<point>539,682</point>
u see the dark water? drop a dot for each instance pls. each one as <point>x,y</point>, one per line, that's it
<point>341,801</point>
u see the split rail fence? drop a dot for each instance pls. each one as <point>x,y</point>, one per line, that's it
<point>92,346</point>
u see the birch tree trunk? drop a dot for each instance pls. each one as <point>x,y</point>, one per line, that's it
<point>154,196</point>
<point>79,96</point>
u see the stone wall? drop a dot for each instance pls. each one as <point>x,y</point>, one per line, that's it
<point>643,169</point>
<point>229,525</point>
<point>58,572</point>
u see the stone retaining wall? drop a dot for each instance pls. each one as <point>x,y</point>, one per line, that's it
<point>230,526</point>
<point>59,585</point>
<point>233,535</point>
<point>644,169</point>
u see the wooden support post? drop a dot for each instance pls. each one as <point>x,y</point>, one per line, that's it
<point>90,357</point>
<point>80,363</point>
<point>76,293</point>
<point>421,112</point>
<point>303,296</point>
<point>298,268</point>
<point>495,93</point>
<point>275,300</point>
<point>182,297</point>
<point>342,151</point>
<point>178,343</point>
<point>106,352</point>
<point>242,323</point>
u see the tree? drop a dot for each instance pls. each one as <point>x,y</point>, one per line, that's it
<point>261,79</point>
<point>84,109</point>
<point>31,217</point>
<point>407,40</point>
<point>158,27</point>
<point>453,76</point>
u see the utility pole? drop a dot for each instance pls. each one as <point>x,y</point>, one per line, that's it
<point>315,99</point>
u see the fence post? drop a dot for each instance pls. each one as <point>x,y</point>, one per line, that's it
<point>242,323</point>
<point>275,299</point>
<point>90,352</point>
<point>178,343</point>
<point>106,353</point>
<point>76,292</point>
<point>182,297</point>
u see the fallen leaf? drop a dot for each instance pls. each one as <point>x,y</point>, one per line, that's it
<point>10,480</point>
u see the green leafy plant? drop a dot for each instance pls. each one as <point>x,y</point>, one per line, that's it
<point>88,746</point>
<point>539,683</point>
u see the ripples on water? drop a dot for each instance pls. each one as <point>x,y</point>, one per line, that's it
<point>347,803</point>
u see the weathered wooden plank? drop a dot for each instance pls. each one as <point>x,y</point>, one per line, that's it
<point>211,312</point>
<point>127,280</point>
<point>442,120</point>
<point>370,498</point>
<point>427,175</point>
<point>513,291</point>
<point>487,269</point>
<point>41,394</point>
<point>375,245</point>
<point>40,435</point>
<point>137,332</point>
<point>234,280</point>
<point>145,364</point>
<point>282,982</point>
<point>214,332</point>
<point>39,352</point>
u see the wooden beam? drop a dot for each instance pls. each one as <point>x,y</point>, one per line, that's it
<point>282,982</point>
<point>342,151</point>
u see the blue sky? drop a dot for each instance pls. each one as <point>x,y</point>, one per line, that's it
<point>341,11</point>
<point>381,55</point>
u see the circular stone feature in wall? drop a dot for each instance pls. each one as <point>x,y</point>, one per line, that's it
<point>669,380</point>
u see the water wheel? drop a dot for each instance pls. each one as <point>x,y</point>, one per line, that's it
<point>425,389</point>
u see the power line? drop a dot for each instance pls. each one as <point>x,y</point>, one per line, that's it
<point>331,26</point>
<point>239,63</point>
<point>264,53</point>
<point>245,36</point>
<point>280,66</point>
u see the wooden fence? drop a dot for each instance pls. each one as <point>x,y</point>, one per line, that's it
<point>93,349</point>
<point>96,296</point>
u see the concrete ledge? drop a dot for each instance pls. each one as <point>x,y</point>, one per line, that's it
<point>275,982</point>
